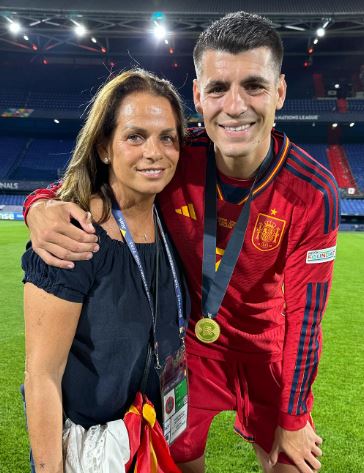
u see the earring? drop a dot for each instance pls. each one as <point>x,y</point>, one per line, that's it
<point>107,160</point>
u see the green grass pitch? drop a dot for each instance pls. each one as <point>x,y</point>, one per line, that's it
<point>339,389</point>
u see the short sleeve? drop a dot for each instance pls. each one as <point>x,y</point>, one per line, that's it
<point>70,284</point>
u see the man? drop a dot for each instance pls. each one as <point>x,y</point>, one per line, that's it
<point>255,337</point>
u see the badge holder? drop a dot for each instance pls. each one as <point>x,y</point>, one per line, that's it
<point>174,392</point>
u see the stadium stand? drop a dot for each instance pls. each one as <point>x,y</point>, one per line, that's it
<point>44,160</point>
<point>355,105</point>
<point>308,106</point>
<point>355,155</point>
<point>12,98</point>
<point>340,167</point>
<point>10,149</point>
<point>317,151</point>
<point>43,100</point>
<point>352,207</point>
<point>11,199</point>
<point>55,101</point>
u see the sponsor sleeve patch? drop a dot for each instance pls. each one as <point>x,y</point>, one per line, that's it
<point>321,256</point>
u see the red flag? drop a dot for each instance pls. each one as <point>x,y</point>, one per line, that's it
<point>148,447</point>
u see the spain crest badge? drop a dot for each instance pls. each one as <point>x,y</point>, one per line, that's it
<point>268,232</point>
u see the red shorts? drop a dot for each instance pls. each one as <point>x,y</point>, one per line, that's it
<point>252,390</point>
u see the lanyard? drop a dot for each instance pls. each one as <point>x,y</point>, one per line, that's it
<point>118,215</point>
<point>215,283</point>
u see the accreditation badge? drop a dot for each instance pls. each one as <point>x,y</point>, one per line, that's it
<point>174,390</point>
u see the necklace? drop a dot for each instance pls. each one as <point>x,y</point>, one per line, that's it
<point>138,236</point>
<point>137,231</point>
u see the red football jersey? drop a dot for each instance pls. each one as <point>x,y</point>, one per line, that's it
<point>278,292</point>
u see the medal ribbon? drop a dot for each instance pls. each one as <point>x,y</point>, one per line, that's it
<point>215,283</point>
<point>119,217</point>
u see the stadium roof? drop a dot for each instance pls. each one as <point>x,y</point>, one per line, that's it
<point>211,7</point>
<point>116,23</point>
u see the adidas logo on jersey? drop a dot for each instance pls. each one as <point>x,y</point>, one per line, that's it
<point>187,211</point>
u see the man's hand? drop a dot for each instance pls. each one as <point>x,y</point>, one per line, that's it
<point>302,447</point>
<point>55,239</point>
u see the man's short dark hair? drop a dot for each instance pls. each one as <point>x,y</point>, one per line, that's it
<point>238,32</point>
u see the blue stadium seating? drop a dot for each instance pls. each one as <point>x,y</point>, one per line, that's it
<point>352,207</point>
<point>308,106</point>
<point>57,101</point>
<point>44,100</point>
<point>355,155</point>
<point>317,151</point>
<point>44,160</point>
<point>10,149</point>
<point>12,98</point>
<point>355,105</point>
<point>11,199</point>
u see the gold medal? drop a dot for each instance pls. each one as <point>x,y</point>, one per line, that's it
<point>207,330</point>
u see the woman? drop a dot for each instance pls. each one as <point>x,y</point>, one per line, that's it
<point>88,329</point>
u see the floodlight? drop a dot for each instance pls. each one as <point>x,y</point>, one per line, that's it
<point>352,124</point>
<point>14,27</point>
<point>320,32</point>
<point>334,125</point>
<point>159,31</point>
<point>80,30</point>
